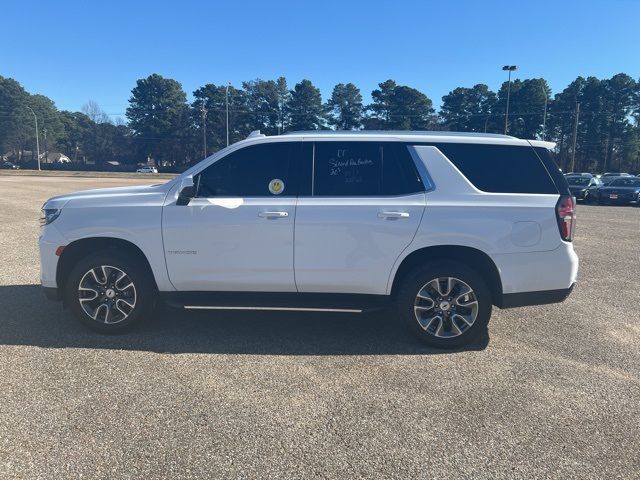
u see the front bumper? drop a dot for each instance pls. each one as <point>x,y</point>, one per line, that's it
<point>49,241</point>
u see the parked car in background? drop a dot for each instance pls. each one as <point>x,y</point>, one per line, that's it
<point>584,187</point>
<point>10,166</point>
<point>147,170</point>
<point>577,174</point>
<point>614,174</point>
<point>622,190</point>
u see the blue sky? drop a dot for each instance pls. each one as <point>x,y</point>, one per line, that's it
<point>75,51</point>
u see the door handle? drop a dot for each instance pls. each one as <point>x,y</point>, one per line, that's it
<point>273,214</point>
<point>391,215</point>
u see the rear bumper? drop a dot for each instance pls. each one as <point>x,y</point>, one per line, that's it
<point>608,201</point>
<point>526,272</point>
<point>622,199</point>
<point>542,297</point>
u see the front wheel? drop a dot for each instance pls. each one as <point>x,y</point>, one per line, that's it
<point>110,291</point>
<point>445,304</point>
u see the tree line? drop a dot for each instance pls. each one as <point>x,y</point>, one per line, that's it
<point>165,127</point>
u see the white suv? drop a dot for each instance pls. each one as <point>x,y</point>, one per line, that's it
<point>441,225</point>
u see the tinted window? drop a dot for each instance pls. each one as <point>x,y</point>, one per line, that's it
<point>501,168</point>
<point>399,173</point>
<point>261,170</point>
<point>347,169</point>
<point>578,181</point>
<point>607,180</point>
<point>363,169</point>
<point>626,182</point>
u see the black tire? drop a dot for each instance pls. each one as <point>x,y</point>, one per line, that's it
<point>413,284</point>
<point>137,273</point>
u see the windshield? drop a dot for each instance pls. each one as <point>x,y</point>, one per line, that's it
<point>626,182</point>
<point>578,181</point>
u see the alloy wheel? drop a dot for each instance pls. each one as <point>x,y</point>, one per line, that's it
<point>107,294</point>
<point>446,307</point>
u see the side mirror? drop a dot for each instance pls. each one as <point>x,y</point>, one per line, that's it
<point>186,190</point>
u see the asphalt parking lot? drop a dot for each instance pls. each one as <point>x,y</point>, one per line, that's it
<point>551,392</point>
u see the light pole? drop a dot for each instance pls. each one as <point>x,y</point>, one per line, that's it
<point>204,129</point>
<point>544,115</point>
<point>575,138</point>
<point>227,104</point>
<point>508,68</point>
<point>37,137</point>
<point>46,151</point>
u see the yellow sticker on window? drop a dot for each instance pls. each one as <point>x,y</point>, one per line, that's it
<point>276,186</point>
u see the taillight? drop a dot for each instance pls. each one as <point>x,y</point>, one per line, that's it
<point>566,216</point>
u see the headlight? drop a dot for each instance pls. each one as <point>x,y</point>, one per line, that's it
<point>49,215</point>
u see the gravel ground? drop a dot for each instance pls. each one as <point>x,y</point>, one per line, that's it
<point>554,392</point>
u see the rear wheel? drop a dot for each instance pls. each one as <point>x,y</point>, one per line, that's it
<point>110,291</point>
<point>445,304</point>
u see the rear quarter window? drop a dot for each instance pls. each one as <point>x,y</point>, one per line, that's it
<point>500,168</point>
<point>548,159</point>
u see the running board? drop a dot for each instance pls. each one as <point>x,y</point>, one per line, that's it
<point>285,309</point>
<point>276,301</point>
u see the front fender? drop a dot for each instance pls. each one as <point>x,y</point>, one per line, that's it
<point>139,225</point>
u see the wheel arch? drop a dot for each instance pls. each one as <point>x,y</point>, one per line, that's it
<point>472,257</point>
<point>79,249</point>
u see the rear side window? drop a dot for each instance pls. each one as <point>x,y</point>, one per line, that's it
<point>399,174</point>
<point>549,161</point>
<point>500,168</point>
<point>357,169</point>
<point>347,169</point>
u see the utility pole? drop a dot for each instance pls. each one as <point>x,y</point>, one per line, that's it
<point>508,68</point>
<point>227,104</point>
<point>575,138</point>
<point>204,129</point>
<point>46,152</point>
<point>486,122</point>
<point>544,116</point>
<point>37,136</point>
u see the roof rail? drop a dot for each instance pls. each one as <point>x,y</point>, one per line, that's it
<point>256,133</point>
<point>400,133</point>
